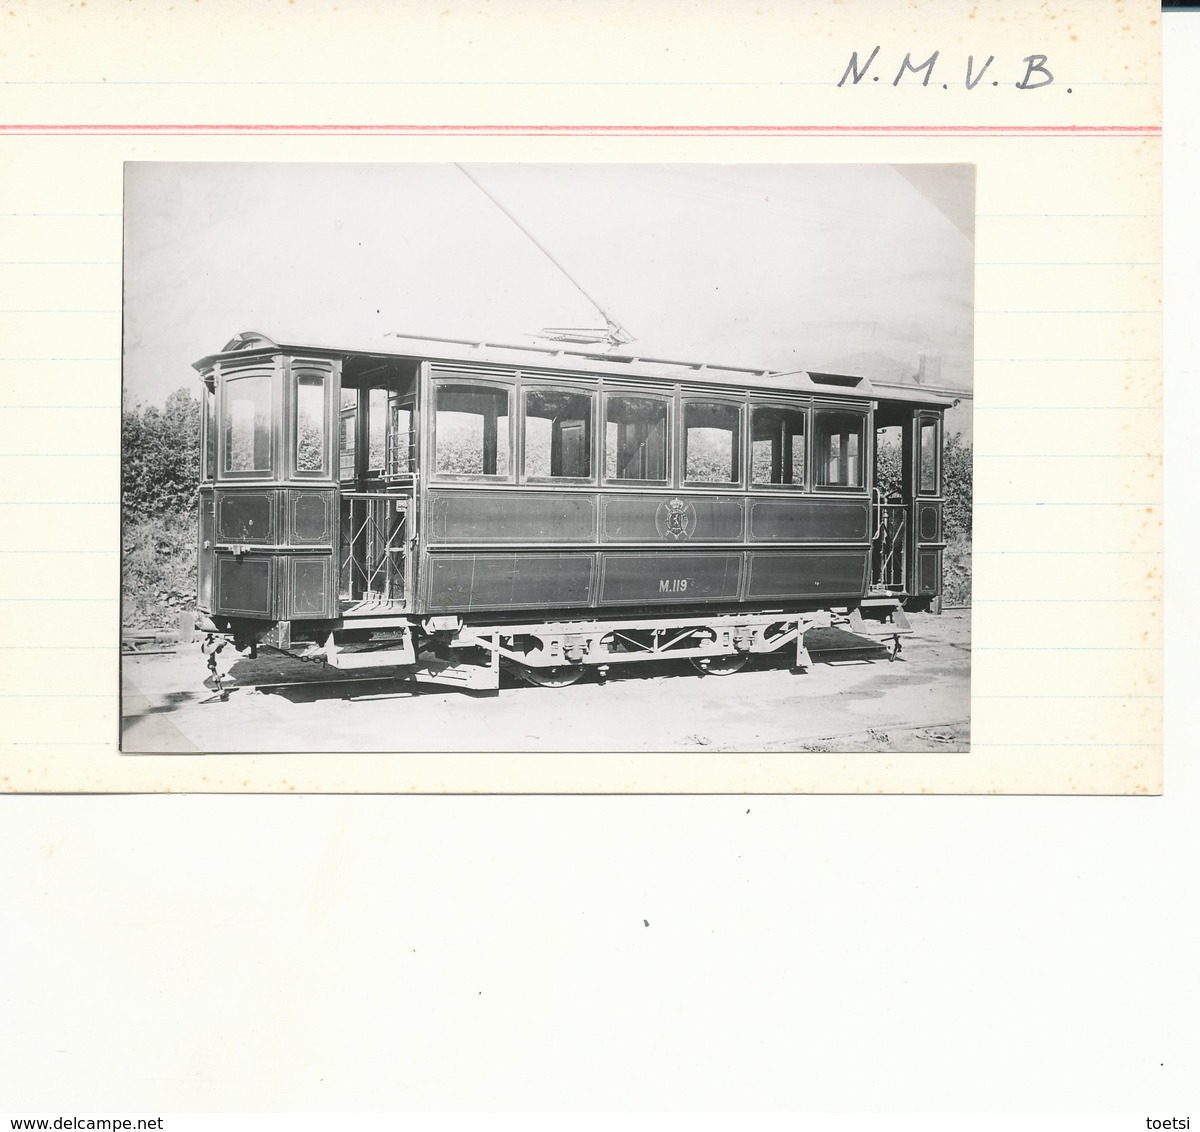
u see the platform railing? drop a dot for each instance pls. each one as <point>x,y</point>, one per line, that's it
<point>889,548</point>
<point>374,540</point>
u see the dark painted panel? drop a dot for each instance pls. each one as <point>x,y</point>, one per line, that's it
<point>311,586</point>
<point>671,518</point>
<point>245,516</point>
<point>807,520</point>
<point>929,524</point>
<point>669,578</point>
<point>807,573</point>
<point>244,586</point>
<point>311,517</point>
<point>463,582</point>
<point>207,535</point>
<point>498,516</point>
<point>929,571</point>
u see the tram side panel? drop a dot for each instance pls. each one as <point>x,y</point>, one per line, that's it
<point>518,550</point>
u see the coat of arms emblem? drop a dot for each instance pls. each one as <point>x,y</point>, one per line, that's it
<point>675,519</point>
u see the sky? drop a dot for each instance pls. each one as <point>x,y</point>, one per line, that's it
<point>860,269</point>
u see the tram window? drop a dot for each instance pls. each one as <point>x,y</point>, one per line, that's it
<point>400,440</point>
<point>929,457</point>
<point>348,434</point>
<point>247,424</point>
<point>777,445</point>
<point>377,408</point>
<point>711,436</point>
<point>635,442</point>
<point>310,422</point>
<point>839,446</point>
<point>558,434</point>
<point>210,433</point>
<point>471,427</point>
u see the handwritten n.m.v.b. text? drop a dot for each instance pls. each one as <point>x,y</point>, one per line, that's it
<point>1036,74</point>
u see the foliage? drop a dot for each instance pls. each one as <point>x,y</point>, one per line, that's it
<point>956,571</point>
<point>160,468</point>
<point>158,569</point>
<point>160,456</point>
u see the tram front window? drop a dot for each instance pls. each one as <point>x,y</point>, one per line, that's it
<point>247,424</point>
<point>310,423</point>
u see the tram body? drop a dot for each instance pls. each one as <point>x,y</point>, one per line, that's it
<point>442,506</point>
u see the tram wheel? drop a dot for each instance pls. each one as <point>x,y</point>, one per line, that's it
<point>720,665</point>
<point>558,676</point>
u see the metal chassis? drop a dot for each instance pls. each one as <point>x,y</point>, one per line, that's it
<point>573,644</point>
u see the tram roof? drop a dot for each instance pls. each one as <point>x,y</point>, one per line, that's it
<point>561,360</point>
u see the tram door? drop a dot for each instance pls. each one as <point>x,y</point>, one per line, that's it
<point>377,460</point>
<point>906,512</point>
<point>889,511</point>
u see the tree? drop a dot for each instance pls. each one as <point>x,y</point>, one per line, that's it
<point>160,457</point>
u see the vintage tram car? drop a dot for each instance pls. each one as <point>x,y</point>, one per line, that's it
<point>442,506</point>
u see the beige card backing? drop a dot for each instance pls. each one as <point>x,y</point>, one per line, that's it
<point>1066,628</point>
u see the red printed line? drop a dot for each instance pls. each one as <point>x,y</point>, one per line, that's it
<point>538,130</point>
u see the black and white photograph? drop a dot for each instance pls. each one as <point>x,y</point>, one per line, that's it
<point>534,457</point>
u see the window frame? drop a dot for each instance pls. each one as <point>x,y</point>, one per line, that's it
<point>508,387</point>
<point>594,456</point>
<point>923,419</point>
<point>209,432</point>
<point>670,401</point>
<point>805,409</point>
<point>271,374</point>
<point>739,440</point>
<point>816,459</point>
<point>303,368</point>
<point>400,401</point>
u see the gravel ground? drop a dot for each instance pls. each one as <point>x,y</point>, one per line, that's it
<point>848,701</point>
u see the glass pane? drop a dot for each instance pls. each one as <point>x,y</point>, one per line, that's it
<point>248,424</point>
<point>210,433</point>
<point>376,429</point>
<point>310,423</point>
<point>777,445</point>
<point>558,434</point>
<point>400,440</point>
<point>839,449</point>
<point>471,430</point>
<point>635,443</point>
<point>929,457</point>
<point>347,442</point>
<point>710,442</point>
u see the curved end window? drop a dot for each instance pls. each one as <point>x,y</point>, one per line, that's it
<point>635,439</point>
<point>712,450</point>
<point>471,431</point>
<point>210,435</point>
<point>558,435</point>
<point>310,423</point>
<point>777,445</point>
<point>247,424</point>
<point>838,442</point>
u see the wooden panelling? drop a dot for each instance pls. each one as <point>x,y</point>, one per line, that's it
<point>519,516</point>
<point>244,586</point>
<point>685,517</point>
<point>245,516</point>
<point>807,574</point>
<point>669,578</point>
<point>807,520</point>
<point>465,582</point>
